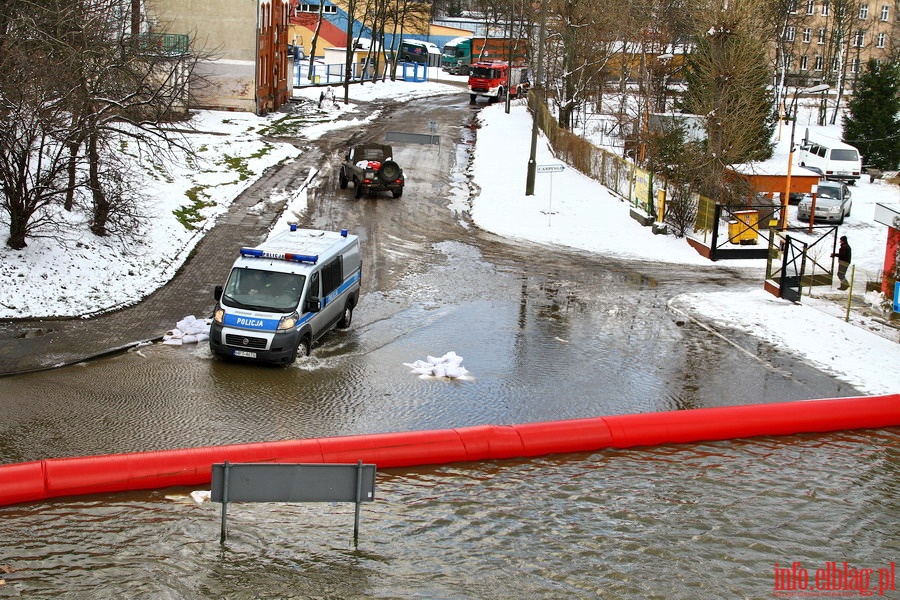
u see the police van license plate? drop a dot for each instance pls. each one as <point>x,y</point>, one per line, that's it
<point>245,354</point>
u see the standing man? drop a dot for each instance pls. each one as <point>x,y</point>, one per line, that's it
<point>844,255</point>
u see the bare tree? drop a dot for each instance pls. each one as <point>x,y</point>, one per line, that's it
<point>33,163</point>
<point>728,84</point>
<point>92,82</point>
<point>842,17</point>
<point>581,43</point>
<point>357,11</point>
<point>406,15</point>
<point>315,41</point>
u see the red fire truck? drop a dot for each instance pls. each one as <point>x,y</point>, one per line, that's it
<point>495,79</point>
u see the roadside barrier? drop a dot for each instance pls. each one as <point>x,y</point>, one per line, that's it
<point>57,477</point>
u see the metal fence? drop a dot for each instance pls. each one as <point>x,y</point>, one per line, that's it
<point>867,301</point>
<point>614,172</point>
<point>359,72</point>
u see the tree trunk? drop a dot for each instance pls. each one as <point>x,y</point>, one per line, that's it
<point>18,229</point>
<point>100,203</point>
<point>313,42</point>
<point>72,170</point>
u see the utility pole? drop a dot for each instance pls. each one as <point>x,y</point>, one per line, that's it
<point>539,85</point>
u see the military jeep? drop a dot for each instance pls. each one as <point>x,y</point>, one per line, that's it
<point>371,168</point>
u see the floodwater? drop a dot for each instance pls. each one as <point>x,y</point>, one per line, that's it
<point>689,521</point>
<point>707,520</point>
<point>567,336</point>
<point>578,343</point>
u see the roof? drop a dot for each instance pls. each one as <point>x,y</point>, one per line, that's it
<point>802,179</point>
<point>307,242</point>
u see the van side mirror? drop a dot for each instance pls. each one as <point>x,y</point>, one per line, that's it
<point>312,305</point>
<point>217,293</point>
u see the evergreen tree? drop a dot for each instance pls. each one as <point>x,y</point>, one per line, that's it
<point>728,83</point>
<point>872,123</point>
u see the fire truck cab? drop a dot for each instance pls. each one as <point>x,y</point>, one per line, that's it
<point>496,79</point>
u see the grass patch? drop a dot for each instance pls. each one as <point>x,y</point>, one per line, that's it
<point>292,125</point>
<point>239,164</point>
<point>190,215</point>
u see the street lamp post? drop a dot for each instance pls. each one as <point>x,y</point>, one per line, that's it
<point>793,108</point>
<point>664,59</point>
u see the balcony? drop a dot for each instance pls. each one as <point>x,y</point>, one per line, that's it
<point>163,44</point>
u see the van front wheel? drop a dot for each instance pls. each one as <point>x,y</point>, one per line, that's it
<point>347,317</point>
<point>305,346</point>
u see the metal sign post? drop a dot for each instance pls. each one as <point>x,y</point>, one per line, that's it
<point>284,482</point>
<point>556,168</point>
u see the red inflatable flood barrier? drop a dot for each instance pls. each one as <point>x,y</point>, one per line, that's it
<point>51,478</point>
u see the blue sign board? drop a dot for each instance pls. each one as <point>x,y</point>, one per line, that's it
<point>897,296</point>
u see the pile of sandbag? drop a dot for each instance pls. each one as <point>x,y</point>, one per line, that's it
<point>449,366</point>
<point>189,330</point>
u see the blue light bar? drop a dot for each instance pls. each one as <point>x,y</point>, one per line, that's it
<point>258,253</point>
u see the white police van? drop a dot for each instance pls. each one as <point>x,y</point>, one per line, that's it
<point>285,294</point>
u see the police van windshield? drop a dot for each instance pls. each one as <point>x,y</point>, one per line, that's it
<point>269,291</point>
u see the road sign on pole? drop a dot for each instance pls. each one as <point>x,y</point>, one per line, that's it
<point>557,168</point>
<point>550,168</point>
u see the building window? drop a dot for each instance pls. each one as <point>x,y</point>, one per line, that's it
<point>860,38</point>
<point>885,12</point>
<point>881,40</point>
<point>834,65</point>
<point>822,35</point>
<point>792,7</point>
<point>854,65</point>
<point>804,63</point>
<point>825,7</point>
<point>789,33</point>
<point>328,9</point>
<point>820,62</point>
<point>810,7</point>
<point>807,35</point>
<point>863,12</point>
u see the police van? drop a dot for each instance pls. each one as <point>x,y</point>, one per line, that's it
<point>285,294</point>
<point>830,158</point>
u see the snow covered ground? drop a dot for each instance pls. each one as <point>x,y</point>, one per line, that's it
<point>75,273</point>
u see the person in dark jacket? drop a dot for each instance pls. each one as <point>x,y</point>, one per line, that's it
<point>844,256</point>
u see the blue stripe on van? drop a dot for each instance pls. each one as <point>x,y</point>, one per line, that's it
<point>234,320</point>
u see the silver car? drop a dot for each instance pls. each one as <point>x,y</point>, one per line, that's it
<point>833,203</point>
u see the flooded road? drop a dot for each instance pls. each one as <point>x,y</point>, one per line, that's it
<point>582,343</point>
<point>546,334</point>
<point>674,522</point>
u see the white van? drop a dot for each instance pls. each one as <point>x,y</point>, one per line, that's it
<point>832,159</point>
<point>285,294</point>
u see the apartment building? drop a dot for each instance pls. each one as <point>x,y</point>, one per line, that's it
<point>832,40</point>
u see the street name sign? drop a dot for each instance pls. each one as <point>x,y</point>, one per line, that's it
<point>557,168</point>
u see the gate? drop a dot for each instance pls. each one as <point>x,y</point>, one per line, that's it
<point>802,261</point>
<point>793,262</point>
<point>744,229</point>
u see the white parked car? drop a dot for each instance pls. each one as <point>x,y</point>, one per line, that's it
<point>833,203</point>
